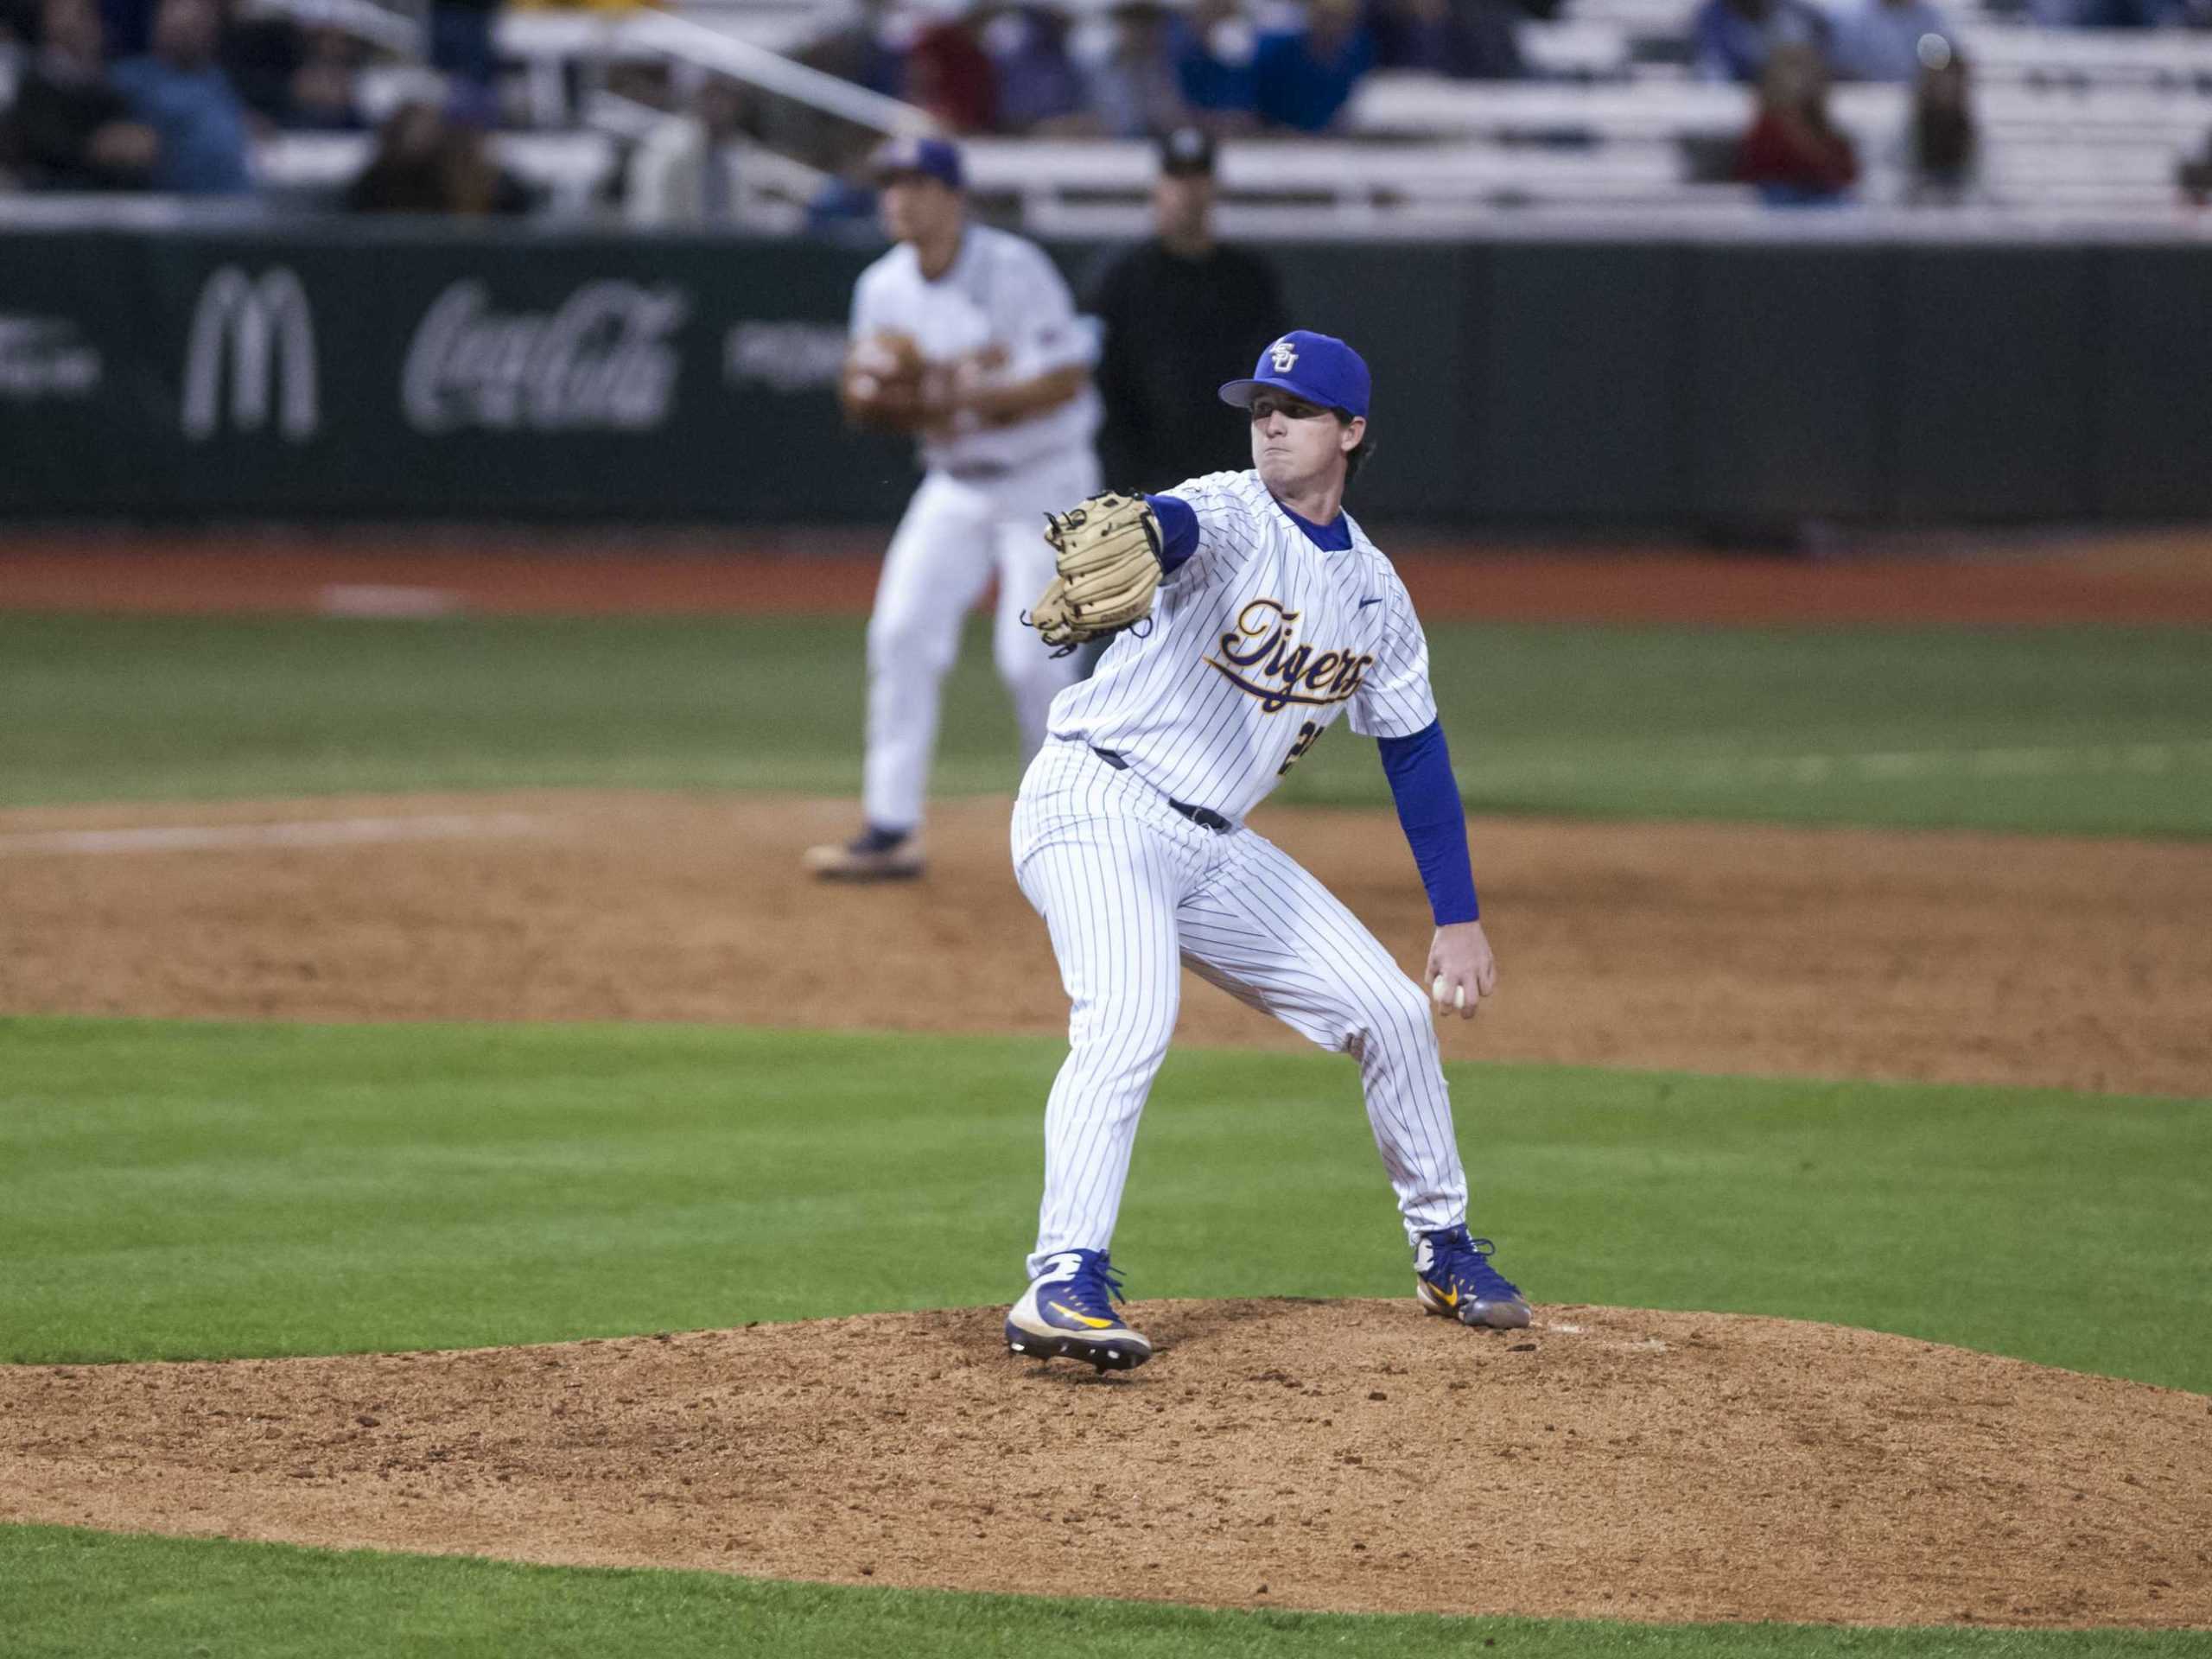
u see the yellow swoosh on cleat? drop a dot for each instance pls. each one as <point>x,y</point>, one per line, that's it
<point>1080,1318</point>
<point>1449,1297</point>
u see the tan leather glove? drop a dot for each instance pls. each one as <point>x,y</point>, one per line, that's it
<point>1107,551</point>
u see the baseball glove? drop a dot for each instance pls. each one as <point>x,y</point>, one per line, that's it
<point>884,384</point>
<point>1107,551</point>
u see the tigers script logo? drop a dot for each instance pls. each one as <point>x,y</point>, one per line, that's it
<point>1263,648</point>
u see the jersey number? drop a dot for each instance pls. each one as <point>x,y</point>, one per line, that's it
<point>1308,734</point>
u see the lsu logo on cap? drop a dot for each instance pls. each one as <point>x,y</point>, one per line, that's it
<point>1283,355</point>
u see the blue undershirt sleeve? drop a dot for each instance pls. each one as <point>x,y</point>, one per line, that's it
<point>1419,771</point>
<point>1178,529</point>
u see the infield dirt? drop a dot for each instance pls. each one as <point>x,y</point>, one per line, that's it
<point>1952,958</point>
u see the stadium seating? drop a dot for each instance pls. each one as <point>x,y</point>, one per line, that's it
<point>2075,124</point>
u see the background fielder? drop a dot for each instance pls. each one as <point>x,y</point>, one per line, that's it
<point>1274,615</point>
<point>968,337</point>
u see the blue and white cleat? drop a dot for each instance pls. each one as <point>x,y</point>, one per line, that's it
<point>1068,1313</point>
<point>1453,1276</point>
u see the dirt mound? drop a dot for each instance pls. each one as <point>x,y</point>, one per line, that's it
<point>1719,948</point>
<point>1350,1454</point>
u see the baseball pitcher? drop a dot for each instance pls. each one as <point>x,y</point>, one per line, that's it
<point>1246,611</point>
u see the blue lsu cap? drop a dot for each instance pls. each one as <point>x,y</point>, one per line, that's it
<point>1319,368</point>
<point>930,158</point>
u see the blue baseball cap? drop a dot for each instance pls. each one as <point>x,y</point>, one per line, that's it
<point>1319,368</point>
<point>929,158</point>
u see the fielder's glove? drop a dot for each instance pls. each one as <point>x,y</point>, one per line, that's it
<point>884,386</point>
<point>1107,551</point>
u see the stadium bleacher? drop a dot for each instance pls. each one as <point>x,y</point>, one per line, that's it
<point>2075,124</point>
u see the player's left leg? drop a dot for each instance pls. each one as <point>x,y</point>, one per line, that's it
<point>937,563</point>
<point>1266,930</point>
<point>1033,676</point>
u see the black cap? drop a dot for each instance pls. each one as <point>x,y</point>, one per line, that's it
<point>1187,152</point>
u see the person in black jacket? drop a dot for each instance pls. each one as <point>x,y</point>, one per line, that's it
<point>1175,308</point>
<point>74,131</point>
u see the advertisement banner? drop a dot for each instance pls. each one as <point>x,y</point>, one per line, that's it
<point>425,370</point>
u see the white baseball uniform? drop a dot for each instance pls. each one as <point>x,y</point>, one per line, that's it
<point>981,507</point>
<point>1255,645</point>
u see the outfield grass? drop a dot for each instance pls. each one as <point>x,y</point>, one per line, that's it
<point>68,1592</point>
<point>184,1190</point>
<point>2103,730</point>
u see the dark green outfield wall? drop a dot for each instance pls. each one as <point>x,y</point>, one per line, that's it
<point>394,370</point>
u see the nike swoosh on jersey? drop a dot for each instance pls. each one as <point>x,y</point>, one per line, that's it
<point>1364,603</point>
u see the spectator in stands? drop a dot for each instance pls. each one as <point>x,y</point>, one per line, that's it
<point>74,131</point>
<point>1794,152</point>
<point>405,175</point>
<point>288,75</point>
<point>1214,46</point>
<point>1173,308</point>
<point>2193,176</point>
<point>1731,40</point>
<point>1305,77</point>
<point>259,54</point>
<point>476,185</point>
<point>1135,90</point>
<point>461,40</point>
<point>1888,39</point>
<point>1039,88</point>
<point>322,86</point>
<point>179,90</point>
<point>1943,162</point>
<point>949,74</point>
<point>428,160</point>
<point>1467,40</point>
<point>869,50</point>
<point>685,171</point>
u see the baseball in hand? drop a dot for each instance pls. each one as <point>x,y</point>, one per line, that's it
<point>1458,996</point>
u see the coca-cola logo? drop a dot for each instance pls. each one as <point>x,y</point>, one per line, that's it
<point>601,362</point>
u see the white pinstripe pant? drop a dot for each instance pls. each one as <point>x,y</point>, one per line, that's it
<point>1133,892</point>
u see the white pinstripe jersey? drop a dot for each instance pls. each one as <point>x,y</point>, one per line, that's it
<point>1256,644</point>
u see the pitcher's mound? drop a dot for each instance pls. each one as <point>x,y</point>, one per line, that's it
<point>1351,1455</point>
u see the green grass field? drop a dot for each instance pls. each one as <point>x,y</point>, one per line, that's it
<point>71,1593</point>
<point>188,1190</point>
<point>2091,731</point>
<point>172,1190</point>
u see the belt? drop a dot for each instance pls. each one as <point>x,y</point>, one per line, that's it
<point>1204,816</point>
<point>979,472</point>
